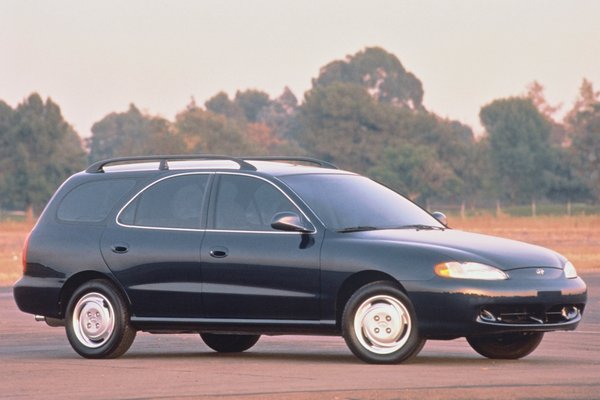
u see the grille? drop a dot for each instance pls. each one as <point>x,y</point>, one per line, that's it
<point>529,314</point>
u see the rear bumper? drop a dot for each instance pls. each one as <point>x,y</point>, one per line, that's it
<point>39,296</point>
<point>449,308</point>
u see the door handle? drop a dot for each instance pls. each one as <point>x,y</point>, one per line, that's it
<point>218,252</point>
<point>120,248</point>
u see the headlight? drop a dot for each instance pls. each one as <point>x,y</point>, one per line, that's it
<point>570,271</point>
<point>469,270</point>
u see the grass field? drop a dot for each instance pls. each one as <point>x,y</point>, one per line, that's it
<point>576,237</point>
<point>12,236</point>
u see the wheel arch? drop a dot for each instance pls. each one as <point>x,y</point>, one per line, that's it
<point>356,281</point>
<point>79,279</point>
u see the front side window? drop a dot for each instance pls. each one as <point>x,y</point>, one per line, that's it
<point>171,203</point>
<point>248,204</point>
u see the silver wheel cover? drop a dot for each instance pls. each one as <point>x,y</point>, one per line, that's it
<point>382,324</point>
<point>93,320</point>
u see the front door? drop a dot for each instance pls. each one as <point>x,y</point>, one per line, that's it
<point>250,270</point>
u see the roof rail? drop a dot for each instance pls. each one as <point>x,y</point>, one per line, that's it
<point>98,167</point>
<point>320,163</point>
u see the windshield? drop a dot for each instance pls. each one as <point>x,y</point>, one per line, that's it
<point>353,202</point>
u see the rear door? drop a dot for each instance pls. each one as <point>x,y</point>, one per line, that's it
<point>154,247</point>
<point>250,270</point>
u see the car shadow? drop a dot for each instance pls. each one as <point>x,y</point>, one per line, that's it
<point>347,359</point>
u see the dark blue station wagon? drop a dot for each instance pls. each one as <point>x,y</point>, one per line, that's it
<point>233,248</point>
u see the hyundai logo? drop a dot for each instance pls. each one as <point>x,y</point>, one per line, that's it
<point>540,271</point>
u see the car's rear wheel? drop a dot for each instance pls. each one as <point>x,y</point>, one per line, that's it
<point>508,346</point>
<point>229,343</point>
<point>98,321</point>
<point>379,325</point>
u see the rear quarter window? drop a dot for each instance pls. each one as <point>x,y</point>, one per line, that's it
<point>92,201</point>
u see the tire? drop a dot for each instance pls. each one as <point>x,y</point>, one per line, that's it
<point>97,322</point>
<point>379,325</point>
<point>508,346</point>
<point>229,343</point>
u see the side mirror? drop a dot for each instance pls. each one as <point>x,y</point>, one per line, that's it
<point>290,222</point>
<point>441,217</point>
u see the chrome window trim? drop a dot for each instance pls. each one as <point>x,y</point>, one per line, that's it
<point>162,228</point>
<point>266,232</point>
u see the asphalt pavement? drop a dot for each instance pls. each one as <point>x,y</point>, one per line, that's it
<point>36,361</point>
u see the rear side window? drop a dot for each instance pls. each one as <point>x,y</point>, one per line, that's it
<point>174,202</point>
<point>92,201</point>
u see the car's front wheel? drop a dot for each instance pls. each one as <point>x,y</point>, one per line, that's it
<point>229,343</point>
<point>98,321</point>
<point>379,325</point>
<point>508,346</point>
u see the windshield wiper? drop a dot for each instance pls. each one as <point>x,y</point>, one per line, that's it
<point>420,227</point>
<point>359,228</point>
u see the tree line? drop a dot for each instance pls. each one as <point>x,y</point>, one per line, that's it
<point>364,113</point>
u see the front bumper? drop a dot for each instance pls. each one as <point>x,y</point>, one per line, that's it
<point>449,308</point>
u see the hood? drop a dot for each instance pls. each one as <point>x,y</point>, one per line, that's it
<point>457,245</point>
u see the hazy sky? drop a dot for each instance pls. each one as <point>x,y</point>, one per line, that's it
<point>94,58</point>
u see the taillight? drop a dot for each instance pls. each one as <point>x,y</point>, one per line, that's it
<point>24,254</point>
